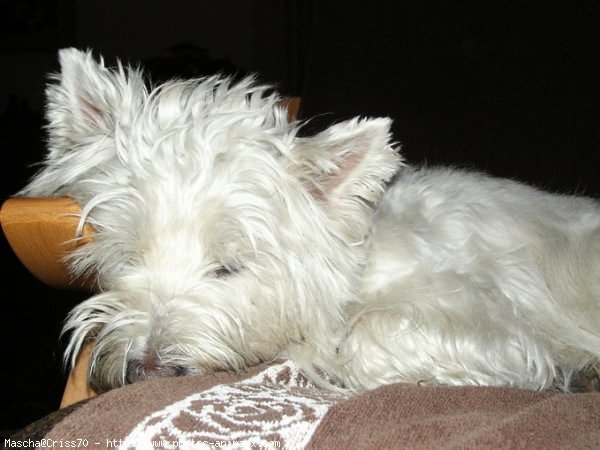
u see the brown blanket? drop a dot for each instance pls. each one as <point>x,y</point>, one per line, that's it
<point>276,407</point>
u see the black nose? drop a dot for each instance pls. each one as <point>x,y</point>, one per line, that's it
<point>139,370</point>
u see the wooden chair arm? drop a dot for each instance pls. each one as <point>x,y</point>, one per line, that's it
<point>41,232</point>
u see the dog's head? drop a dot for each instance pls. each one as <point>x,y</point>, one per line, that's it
<point>222,236</point>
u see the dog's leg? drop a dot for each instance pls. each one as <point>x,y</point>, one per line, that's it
<point>449,329</point>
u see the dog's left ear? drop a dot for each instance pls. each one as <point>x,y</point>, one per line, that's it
<point>89,97</point>
<point>346,167</point>
<point>85,104</point>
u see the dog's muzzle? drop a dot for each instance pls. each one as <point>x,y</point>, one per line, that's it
<point>151,366</point>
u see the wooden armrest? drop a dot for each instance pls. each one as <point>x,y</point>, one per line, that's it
<point>77,387</point>
<point>41,232</point>
<point>293,106</point>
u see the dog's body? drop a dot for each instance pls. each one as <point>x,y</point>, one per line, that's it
<point>224,239</point>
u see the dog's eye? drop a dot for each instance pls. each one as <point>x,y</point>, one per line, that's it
<point>222,271</point>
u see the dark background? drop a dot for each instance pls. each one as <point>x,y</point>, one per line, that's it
<point>507,87</point>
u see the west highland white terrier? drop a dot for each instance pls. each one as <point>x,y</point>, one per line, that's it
<point>223,238</point>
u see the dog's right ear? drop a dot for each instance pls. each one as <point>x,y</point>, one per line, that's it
<point>346,168</point>
<point>89,98</point>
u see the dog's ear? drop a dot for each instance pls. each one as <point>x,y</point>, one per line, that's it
<point>346,167</point>
<point>89,98</point>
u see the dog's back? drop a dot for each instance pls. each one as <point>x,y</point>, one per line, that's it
<point>478,280</point>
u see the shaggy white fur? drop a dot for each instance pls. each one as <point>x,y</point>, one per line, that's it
<point>224,239</point>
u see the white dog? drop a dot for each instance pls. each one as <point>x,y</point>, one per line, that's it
<point>224,239</point>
